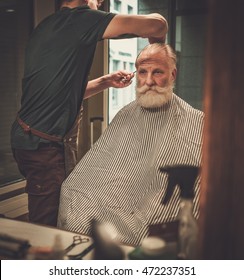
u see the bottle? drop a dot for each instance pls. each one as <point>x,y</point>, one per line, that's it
<point>54,252</point>
<point>184,176</point>
<point>57,248</point>
<point>188,231</point>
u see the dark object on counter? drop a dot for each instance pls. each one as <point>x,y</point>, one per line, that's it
<point>167,231</point>
<point>13,248</point>
<point>106,248</point>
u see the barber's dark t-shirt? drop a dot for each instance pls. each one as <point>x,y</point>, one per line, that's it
<point>58,58</point>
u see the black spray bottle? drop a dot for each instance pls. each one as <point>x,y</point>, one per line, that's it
<point>184,176</point>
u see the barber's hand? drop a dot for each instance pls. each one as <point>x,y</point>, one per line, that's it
<point>119,79</point>
<point>153,40</point>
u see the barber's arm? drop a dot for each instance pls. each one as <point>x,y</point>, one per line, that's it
<point>118,79</point>
<point>152,26</point>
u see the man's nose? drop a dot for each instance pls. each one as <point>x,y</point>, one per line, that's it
<point>149,80</point>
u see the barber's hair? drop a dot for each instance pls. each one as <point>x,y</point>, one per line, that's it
<point>158,47</point>
<point>60,2</point>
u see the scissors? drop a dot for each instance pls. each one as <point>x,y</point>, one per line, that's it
<point>83,253</point>
<point>76,241</point>
<point>125,80</point>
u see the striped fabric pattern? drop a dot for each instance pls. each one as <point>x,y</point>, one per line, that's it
<point>118,181</point>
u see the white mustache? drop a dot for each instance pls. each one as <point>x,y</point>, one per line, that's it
<point>145,88</point>
<point>154,96</point>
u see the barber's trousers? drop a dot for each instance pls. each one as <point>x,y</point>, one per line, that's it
<point>44,170</point>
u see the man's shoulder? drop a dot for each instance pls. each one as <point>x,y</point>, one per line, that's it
<point>186,109</point>
<point>129,107</point>
<point>190,122</point>
<point>127,111</point>
<point>82,13</point>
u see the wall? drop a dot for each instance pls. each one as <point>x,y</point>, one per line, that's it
<point>13,200</point>
<point>222,195</point>
<point>43,8</point>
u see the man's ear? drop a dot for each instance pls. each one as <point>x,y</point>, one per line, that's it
<point>174,73</point>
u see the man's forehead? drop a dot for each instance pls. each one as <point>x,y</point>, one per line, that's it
<point>148,57</point>
<point>148,60</point>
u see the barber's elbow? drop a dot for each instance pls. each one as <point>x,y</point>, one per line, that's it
<point>159,25</point>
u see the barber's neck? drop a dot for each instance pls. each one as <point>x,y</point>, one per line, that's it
<point>73,4</point>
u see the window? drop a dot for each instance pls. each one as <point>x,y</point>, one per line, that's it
<point>116,64</point>
<point>114,96</point>
<point>124,52</point>
<point>115,101</point>
<point>132,67</point>
<point>15,26</point>
<point>129,10</point>
<point>117,5</point>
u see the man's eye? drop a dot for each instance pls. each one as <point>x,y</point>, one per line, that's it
<point>158,72</point>
<point>142,72</point>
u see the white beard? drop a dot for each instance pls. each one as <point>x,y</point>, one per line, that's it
<point>153,97</point>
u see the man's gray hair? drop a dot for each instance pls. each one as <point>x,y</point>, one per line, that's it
<point>158,47</point>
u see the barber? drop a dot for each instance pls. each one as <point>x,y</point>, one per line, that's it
<point>58,59</point>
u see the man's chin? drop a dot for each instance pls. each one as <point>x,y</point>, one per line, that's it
<point>149,105</point>
<point>151,100</point>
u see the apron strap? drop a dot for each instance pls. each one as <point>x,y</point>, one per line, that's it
<point>28,129</point>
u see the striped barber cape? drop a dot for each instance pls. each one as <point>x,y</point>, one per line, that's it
<point>118,181</point>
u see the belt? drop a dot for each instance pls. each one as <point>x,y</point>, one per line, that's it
<point>28,129</point>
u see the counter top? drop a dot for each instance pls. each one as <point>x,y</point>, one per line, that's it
<point>44,236</point>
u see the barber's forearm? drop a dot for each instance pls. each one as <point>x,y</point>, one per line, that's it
<point>147,26</point>
<point>117,79</point>
<point>95,86</point>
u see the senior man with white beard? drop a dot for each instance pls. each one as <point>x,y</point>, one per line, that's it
<point>118,182</point>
